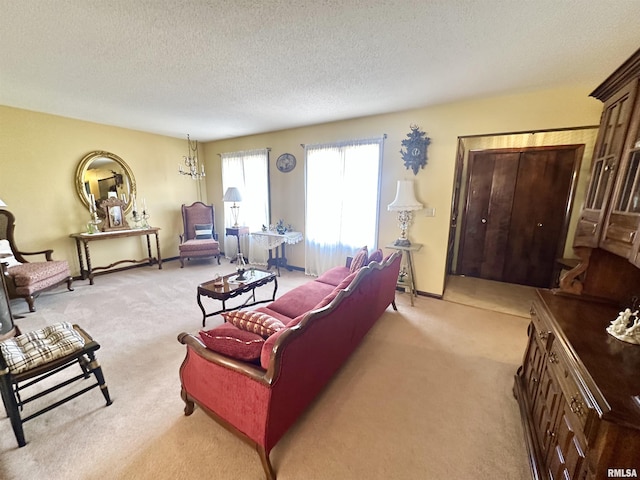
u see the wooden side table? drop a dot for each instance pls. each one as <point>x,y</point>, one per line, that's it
<point>237,232</point>
<point>407,252</point>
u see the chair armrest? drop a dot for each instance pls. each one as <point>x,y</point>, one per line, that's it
<point>215,236</point>
<point>181,237</point>
<point>239,366</point>
<point>48,254</point>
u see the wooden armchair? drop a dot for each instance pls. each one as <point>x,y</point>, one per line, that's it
<point>26,279</point>
<point>29,358</point>
<point>199,239</point>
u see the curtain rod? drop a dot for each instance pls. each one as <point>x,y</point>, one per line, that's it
<point>268,149</point>
<point>384,136</point>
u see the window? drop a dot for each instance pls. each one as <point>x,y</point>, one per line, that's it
<point>249,172</point>
<point>342,185</point>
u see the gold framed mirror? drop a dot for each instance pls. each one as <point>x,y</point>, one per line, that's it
<point>104,175</point>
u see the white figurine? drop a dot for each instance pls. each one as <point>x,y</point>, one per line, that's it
<point>619,327</point>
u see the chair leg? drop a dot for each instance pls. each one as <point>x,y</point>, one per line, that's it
<point>181,262</point>
<point>393,304</point>
<point>30,299</point>
<point>11,406</point>
<point>69,282</point>
<point>97,371</point>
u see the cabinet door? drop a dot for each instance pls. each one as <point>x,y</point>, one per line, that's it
<point>533,363</point>
<point>624,217</point>
<point>614,125</point>
<point>568,446</point>
<point>545,407</point>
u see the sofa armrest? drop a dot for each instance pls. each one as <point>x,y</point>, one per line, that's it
<point>239,366</point>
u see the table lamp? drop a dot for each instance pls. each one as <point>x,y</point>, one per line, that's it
<point>233,195</point>
<point>405,203</point>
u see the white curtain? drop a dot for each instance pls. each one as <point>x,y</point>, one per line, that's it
<point>342,201</point>
<point>249,172</point>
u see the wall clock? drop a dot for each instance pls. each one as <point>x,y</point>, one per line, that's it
<point>414,149</point>
<point>286,162</point>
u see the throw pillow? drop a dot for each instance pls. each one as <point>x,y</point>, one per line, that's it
<point>6,255</point>
<point>376,256</point>
<point>360,260</point>
<point>204,231</point>
<point>233,342</point>
<point>256,322</point>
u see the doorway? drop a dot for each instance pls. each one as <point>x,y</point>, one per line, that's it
<point>517,177</point>
<point>514,224</point>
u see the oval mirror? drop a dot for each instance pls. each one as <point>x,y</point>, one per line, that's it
<point>104,175</point>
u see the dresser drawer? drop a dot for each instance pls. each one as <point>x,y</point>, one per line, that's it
<point>579,403</point>
<point>541,325</point>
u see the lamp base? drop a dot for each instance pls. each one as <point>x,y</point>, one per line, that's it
<point>402,242</point>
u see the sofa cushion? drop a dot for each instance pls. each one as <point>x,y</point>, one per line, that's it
<point>360,259</point>
<point>334,276</point>
<point>204,231</point>
<point>376,256</point>
<point>301,299</point>
<point>283,318</point>
<point>256,322</point>
<point>333,294</point>
<point>233,342</point>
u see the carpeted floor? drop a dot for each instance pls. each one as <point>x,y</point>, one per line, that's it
<point>427,395</point>
<point>489,295</point>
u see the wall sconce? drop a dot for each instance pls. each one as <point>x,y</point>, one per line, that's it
<point>233,195</point>
<point>405,203</point>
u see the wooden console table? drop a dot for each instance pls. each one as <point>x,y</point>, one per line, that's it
<point>85,238</point>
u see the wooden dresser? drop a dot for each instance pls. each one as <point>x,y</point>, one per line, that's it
<point>578,390</point>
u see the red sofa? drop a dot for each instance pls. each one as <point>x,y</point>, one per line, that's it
<point>325,320</point>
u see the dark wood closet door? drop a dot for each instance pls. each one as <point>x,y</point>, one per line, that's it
<point>515,218</point>
<point>538,216</point>
<point>485,226</point>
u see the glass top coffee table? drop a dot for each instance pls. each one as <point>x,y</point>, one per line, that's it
<point>230,286</point>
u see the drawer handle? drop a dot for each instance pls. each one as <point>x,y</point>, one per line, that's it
<point>577,405</point>
<point>550,434</point>
<point>543,335</point>
<point>553,357</point>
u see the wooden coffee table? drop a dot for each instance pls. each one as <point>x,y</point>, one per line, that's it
<point>228,287</point>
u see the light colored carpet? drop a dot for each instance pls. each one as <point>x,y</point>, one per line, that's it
<point>489,295</point>
<point>426,396</point>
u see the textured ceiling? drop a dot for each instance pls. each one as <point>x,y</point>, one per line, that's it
<point>220,69</point>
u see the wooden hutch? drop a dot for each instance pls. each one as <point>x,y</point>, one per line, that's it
<point>578,387</point>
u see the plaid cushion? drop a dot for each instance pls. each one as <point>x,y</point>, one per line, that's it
<point>360,260</point>
<point>36,348</point>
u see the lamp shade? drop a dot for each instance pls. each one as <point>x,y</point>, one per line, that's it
<point>2,204</point>
<point>232,195</point>
<point>405,198</point>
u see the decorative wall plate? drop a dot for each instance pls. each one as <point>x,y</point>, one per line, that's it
<point>286,162</point>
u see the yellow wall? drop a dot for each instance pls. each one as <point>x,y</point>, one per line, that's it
<point>559,108</point>
<point>39,154</point>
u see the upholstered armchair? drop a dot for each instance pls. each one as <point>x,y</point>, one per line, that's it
<point>27,279</point>
<point>199,239</point>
